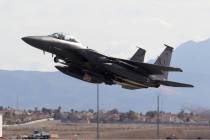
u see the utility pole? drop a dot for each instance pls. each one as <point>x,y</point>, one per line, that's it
<point>17,103</point>
<point>97,111</point>
<point>158,120</point>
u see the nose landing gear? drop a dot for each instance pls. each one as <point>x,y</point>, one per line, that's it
<point>56,60</point>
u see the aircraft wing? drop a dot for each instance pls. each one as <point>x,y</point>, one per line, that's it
<point>151,69</point>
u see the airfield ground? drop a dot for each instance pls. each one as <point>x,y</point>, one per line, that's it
<point>109,131</point>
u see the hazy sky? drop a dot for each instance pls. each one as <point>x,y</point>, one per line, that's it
<point>112,27</point>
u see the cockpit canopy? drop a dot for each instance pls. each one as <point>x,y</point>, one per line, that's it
<point>64,37</point>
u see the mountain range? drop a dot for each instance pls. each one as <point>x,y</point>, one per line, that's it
<point>29,89</point>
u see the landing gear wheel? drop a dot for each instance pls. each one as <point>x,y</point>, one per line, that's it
<point>56,60</point>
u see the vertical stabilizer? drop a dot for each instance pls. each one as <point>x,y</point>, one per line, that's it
<point>139,55</point>
<point>164,60</point>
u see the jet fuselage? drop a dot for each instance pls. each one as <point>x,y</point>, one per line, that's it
<point>88,65</point>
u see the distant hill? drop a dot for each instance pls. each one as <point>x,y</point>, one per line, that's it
<point>193,56</point>
<point>53,89</point>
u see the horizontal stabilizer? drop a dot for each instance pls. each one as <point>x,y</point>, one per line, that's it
<point>130,87</point>
<point>151,69</point>
<point>158,67</point>
<point>174,84</point>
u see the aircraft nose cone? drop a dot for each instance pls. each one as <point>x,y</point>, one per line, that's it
<point>32,40</point>
<point>40,42</point>
<point>26,39</point>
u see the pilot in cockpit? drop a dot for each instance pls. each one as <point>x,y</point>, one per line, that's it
<point>64,37</point>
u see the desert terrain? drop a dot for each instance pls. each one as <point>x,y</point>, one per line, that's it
<point>109,131</point>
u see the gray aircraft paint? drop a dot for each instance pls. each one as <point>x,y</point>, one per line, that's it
<point>88,65</point>
<point>139,55</point>
<point>164,60</point>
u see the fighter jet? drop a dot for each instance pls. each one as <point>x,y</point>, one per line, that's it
<point>80,62</point>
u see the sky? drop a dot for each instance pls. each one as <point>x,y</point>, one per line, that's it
<point>113,28</point>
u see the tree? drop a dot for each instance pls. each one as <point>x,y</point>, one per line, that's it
<point>59,109</point>
<point>46,110</point>
<point>123,116</point>
<point>188,119</point>
<point>72,110</point>
<point>151,113</point>
<point>132,115</point>
<point>36,109</point>
<point>91,110</point>
<point>181,114</point>
<point>114,111</point>
<point>58,114</point>
<point>191,113</point>
<point>30,111</point>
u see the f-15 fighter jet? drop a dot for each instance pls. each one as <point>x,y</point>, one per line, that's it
<point>88,65</point>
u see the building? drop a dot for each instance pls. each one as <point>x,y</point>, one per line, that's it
<point>1,125</point>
